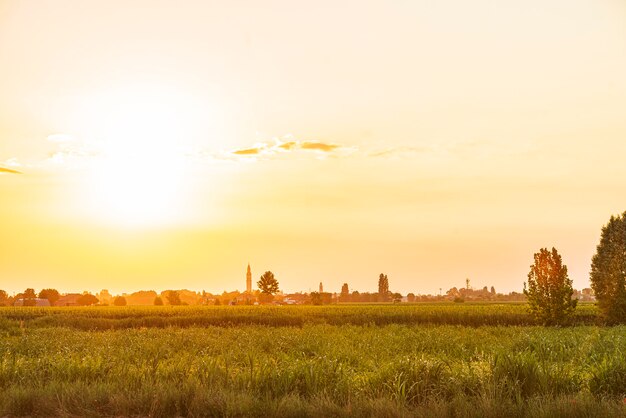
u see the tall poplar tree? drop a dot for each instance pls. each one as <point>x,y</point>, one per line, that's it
<point>345,293</point>
<point>383,287</point>
<point>608,270</point>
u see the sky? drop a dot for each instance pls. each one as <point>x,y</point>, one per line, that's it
<point>165,144</point>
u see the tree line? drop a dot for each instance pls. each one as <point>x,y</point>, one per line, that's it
<point>549,289</point>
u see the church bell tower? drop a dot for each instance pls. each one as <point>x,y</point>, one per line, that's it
<point>249,280</point>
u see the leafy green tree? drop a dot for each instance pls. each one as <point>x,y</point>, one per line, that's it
<point>344,296</point>
<point>51,294</point>
<point>383,287</point>
<point>316,298</point>
<point>608,270</point>
<point>119,301</point>
<point>158,301</point>
<point>268,284</point>
<point>4,298</point>
<point>29,297</point>
<point>87,299</point>
<point>173,298</point>
<point>323,298</point>
<point>327,298</point>
<point>453,293</point>
<point>549,291</point>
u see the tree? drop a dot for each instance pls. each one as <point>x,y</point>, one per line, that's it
<point>410,297</point>
<point>173,298</point>
<point>51,294</point>
<point>327,298</point>
<point>87,299</point>
<point>316,298</point>
<point>158,301</point>
<point>608,270</point>
<point>4,298</point>
<point>383,287</point>
<point>453,293</point>
<point>29,297</point>
<point>268,284</point>
<point>344,296</point>
<point>119,301</point>
<point>549,291</point>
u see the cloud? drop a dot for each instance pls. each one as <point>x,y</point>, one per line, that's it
<point>9,171</point>
<point>75,153</point>
<point>248,151</point>
<point>401,151</point>
<point>290,146</point>
<point>319,146</point>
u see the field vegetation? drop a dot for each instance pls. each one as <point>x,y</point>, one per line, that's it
<point>372,360</point>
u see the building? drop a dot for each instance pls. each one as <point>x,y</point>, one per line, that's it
<point>249,280</point>
<point>71,299</point>
<point>32,302</point>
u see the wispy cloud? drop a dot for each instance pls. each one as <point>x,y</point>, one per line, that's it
<point>440,151</point>
<point>401,151</point>
<point>74,153</point>
<point>9,171</point>
<point>319,146</point>
<point>249,151</point>
<point>290,146</point>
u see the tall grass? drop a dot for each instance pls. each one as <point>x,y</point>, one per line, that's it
<point>105,318</point>
<point>311,369</point>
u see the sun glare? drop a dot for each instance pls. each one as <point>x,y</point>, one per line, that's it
<point>137,178</point>
<point>136,192</point>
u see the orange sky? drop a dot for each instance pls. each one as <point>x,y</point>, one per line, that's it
<point>164,145</point>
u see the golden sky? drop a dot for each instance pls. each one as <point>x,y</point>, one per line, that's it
<point>166,144</point>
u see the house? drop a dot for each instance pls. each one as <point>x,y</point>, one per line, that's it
<point>33,302</point>
<point>71,299</point>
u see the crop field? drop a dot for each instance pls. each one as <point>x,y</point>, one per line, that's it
<point>346,360</point>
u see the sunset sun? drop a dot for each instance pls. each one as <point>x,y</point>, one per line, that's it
<point>136,191</point>
<point>137,176</point>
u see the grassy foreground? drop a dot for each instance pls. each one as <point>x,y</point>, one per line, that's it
<point>167,362</point>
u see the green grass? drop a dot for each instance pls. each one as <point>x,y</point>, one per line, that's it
<point>419,360</point>
<point>104,318</point>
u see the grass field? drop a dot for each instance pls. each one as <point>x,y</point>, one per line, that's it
<point>363,360</point>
